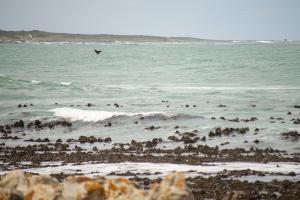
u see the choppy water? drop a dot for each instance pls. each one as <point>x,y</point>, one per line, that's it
<point>140,76</point>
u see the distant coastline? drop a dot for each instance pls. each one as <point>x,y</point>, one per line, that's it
<point>42,36</point>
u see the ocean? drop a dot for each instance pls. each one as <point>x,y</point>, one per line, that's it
<point>167,84</point>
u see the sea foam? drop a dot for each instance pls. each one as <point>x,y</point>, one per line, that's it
<point>66,83</point>
<point>91,115</point>
<point>35,81</point>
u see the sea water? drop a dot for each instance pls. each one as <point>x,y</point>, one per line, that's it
<point>168,84</point>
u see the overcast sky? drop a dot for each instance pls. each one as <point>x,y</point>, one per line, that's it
<point>214,19</point>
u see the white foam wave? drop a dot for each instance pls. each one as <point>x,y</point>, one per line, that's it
<point>164,168</point>
<point>265,41</point>
<point>2,75</point>
<point>66,83</point>
<point>91,115</point>
<point>35,81</point>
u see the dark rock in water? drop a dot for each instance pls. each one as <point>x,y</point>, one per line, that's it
<point>72,105</point>
<point>70,140</point>
<point>222,106</point>
<point>58,140</point>
<point>24,105</point>
<point>256,129</point>
<point>293,135</point>
<point>256,141</point>
<point>153,143</point>
<point>227,131</point>
<point>89,105</point>
<point>234,120</point>
<point>176,127</point>
<point>245,141</point>
<point>85,139</point>
<point>136,122</point>
<point>95,148</point>
<point>289,113</point>
<point>116,105</point>
<point>203,139</point>
<point>213,118</point>
<point>37,122</point>
<point>253,105</point>
<point>187,105</point>
<point>31,104</point>
<point>151,128</point>
<point>297,121</point>
<point>292,174</point>
<point>223,118</point>
<point>107,140</point>
<point>225,143</point>
<point>19,106</point>
<point>296,106</point>
<point>194,106</point>
<point>108,124</point>
<point>19,124</point>
<point>189,140</point>
<point>173,138</point>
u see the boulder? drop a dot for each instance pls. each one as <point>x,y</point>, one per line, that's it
<point>18,185</point>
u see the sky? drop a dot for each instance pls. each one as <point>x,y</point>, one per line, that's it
<point>208,19</point>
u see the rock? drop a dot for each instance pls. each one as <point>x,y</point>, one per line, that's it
<point>58,140</point>
<point>256,141</point>
<point>18,185</point>
<point>108,124</point>
<point>173,138</point>
<point>151,128</point>
<point>289,113</point>
<point>19,106</point>
<point>19,124</point>
<point>293,135</point>
<point>116,105</point>
<point>107,140</point>
<point>296,106</point>
<point>297,121</point>
<point>173,187</point>
<point>222,106</point>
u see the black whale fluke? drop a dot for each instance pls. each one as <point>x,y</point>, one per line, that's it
<point>97,52</point>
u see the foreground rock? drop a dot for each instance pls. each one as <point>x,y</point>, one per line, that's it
<point>18,185</point>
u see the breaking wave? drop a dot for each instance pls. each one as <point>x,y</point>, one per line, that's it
<point>94,116</point>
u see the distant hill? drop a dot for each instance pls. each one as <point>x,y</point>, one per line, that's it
<point>41,36</point>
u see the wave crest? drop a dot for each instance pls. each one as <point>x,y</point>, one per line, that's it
<point>93,116</point>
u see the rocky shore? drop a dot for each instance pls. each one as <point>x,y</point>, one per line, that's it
<point>181,147</point>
